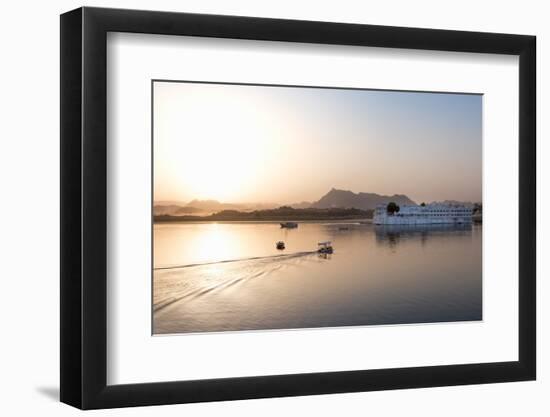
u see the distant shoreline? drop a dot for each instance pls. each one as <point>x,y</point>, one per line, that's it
<point>366,220</point>
<point>282,214</point>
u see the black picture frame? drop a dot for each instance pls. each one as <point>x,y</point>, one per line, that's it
<point>84,207</point>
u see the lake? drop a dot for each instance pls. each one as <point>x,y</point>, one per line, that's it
<point>229,276</point>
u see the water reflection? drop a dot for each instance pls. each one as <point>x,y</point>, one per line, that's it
<point>391,235</point>
<point>230,276</point>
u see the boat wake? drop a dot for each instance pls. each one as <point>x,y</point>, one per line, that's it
<point>286,255</point>
<point>173,284</point>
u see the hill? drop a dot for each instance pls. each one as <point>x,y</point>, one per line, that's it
<point>365,201</point>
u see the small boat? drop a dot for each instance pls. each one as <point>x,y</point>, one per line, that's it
<point>280,245</point>
<point>325,247</point>
<point>289,225</point>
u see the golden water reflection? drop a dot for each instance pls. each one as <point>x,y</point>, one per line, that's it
<point>234,278</point>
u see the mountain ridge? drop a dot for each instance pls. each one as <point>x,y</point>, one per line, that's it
<point>335,198</point>
<point>362,200</point>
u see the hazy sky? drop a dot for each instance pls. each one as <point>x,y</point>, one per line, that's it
<point>285,145</point>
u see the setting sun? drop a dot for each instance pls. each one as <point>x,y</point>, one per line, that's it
<point>216,158</point>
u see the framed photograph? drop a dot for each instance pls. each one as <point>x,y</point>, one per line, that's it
<point>257,208</point>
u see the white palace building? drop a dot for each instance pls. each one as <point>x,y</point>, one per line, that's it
<point>428,214</point>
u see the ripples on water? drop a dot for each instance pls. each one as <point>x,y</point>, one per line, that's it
<point>201,279</point>
<point>229,276</point>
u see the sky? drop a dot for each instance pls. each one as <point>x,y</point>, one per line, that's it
<point>274,144</point>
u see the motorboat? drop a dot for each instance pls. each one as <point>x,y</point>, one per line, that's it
<point>289,225</point>
<point>325,247</point>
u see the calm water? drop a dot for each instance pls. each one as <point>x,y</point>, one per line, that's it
<point>229,276</point>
